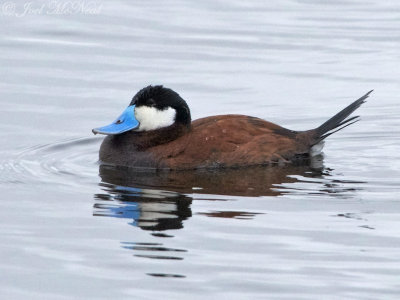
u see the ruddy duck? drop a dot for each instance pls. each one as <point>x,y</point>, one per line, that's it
<point>156,131</point>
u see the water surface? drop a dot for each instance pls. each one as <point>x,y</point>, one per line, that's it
<point>73,229</point>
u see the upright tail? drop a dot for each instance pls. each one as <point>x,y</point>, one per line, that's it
<point>339,121</point>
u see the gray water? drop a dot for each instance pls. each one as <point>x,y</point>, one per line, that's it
<point>71,229</point>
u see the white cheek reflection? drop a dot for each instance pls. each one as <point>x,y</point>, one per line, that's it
<point>151,118</point>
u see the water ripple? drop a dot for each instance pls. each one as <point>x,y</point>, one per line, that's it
<point>71,162</point>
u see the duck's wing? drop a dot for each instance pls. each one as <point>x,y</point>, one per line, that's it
<point>231,141</point>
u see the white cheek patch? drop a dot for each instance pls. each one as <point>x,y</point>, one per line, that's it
<point>151,118</point>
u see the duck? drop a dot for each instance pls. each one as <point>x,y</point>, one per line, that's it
<point>156,131</point>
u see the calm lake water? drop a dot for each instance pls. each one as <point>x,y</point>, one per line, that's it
<point>72,229</point>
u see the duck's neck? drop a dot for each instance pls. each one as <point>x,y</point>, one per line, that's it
<point>147,139</point>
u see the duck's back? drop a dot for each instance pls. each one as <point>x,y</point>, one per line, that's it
<point>230,141</point>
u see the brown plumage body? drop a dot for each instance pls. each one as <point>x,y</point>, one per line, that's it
<point>217,141</point>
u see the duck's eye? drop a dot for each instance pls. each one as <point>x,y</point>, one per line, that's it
<point>118,122</point>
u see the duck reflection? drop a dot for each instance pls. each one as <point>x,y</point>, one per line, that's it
<point>160,200</point>
<point>149,209</point>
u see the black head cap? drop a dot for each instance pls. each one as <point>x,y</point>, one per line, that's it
<point>162,98</point>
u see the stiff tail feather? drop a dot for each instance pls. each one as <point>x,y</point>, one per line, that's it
<point>339,121</point>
